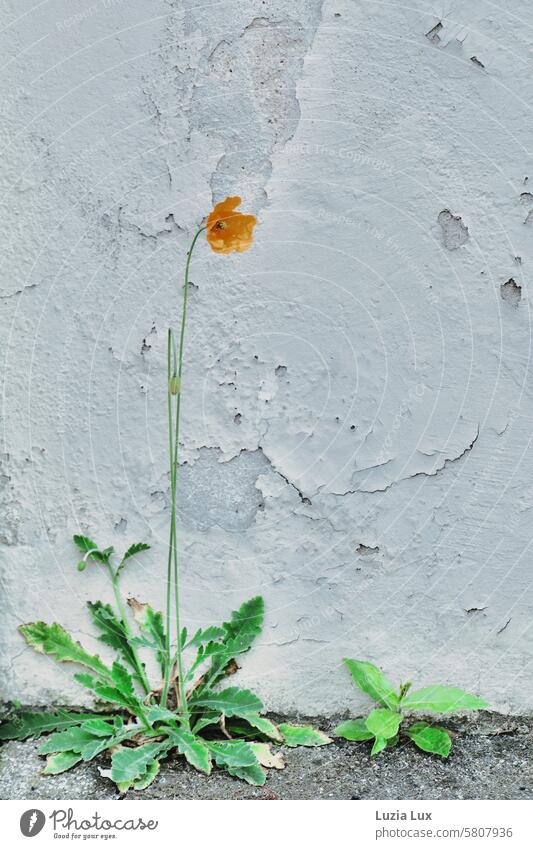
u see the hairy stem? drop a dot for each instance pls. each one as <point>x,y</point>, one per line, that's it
<point>122,613</point>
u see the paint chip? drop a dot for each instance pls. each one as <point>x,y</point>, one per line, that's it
<point>433,33</point>
<point>454,232</point>
<point>511,292</point>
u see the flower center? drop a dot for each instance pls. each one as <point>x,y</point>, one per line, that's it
<point>220,225</point>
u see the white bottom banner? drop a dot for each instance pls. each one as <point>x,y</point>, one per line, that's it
<point>258,826</point>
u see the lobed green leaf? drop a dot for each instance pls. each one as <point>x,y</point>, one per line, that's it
<point>232,753</point>
<point>113,631</point>
<point>29,724</point>
<point>100,728</point>
<point>231,702</point>
<point>193,748</point>
<point>87,545</point>
<point>150,623</point>
<point>122,680</point>
<point>113,694</point>
<point>128,765</point>
<point>53,640</point>
<point>70,740</point>
<point>156,713</point>
<point>246,623</point>
<point>206,635</point>
<point>134,549</point>
<point>255,774</point>
<point>151,773</point>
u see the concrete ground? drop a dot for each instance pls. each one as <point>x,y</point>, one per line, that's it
<point>492,758</point>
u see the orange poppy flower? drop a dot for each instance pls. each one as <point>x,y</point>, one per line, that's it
<point>228,230</point>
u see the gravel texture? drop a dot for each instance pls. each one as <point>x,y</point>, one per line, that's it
<point>492,758</point>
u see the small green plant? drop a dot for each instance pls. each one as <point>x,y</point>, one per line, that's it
<point>385,725</point>
<point>215,724</point>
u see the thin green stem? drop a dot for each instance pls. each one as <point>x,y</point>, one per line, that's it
<point>122,613</point>
<point>166,680</point>
<point>174,375</point>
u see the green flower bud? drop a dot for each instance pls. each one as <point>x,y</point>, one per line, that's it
<point>174,384</point>
<point>81,565</point>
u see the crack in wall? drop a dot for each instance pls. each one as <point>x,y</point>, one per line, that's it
<point>421,473</point>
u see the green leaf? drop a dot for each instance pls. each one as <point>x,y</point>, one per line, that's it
<point>239,759</point>
<point>123,680</point>
<point>255,774</point>
<point>441,699</point>
<point>128,765</point>
<point>380,743</point>
<point>114,694</point>
<point>151,773</point>
<point>231,702</point>
<point>116,688</point>
<point>383,723</point>
<point>61,762</point>
<point>353,729</point>
<point>28,724</point>
<point>87,545</point>
<point>150,623</point>
<point>246,623</point>
<point>156,713</point>
<point>84,543</point>
<point>265,726</point>
<point>100,744</point>
<point>134,549</point>
<point>371,681</point>
<point>114,633</point>
<point>195,750</point>
<point>85,679</point>
<point>206,635</point>
<point>232,753</point>
<point>430,738</point>
<point>303,735</point>
<point>70,740</point>
<point>99,727</point>
<point>219,654</point>
<point>114,734</point>
<point>208,718</point>
<point>238,635</point>
<point>56,642</point>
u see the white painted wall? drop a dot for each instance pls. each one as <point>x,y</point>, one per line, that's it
<point>358,406</point>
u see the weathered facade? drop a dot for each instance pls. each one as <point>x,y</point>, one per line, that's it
<point>358,406</point>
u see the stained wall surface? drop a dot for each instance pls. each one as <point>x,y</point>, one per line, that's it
<point>357,394</point>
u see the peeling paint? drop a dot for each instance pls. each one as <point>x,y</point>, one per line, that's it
<point>454,231</point>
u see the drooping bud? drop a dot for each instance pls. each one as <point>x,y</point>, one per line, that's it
<point>81,565</point>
